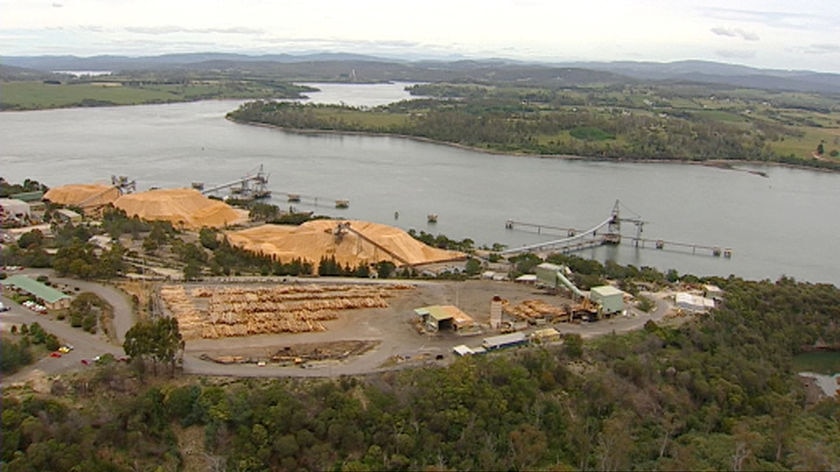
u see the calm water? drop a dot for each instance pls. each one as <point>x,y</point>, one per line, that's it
<point>786,224</point>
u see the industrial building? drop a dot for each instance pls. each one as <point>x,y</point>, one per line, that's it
<point>443,317</point>
<point>609,299</point>
<point>13,210</point>
<point>504,340</point>
<point>693,303</point>
<point>45,295</point>
<point>552,276</point>
<point>67,216</point>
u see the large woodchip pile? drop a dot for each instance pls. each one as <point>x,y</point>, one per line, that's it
<point>183,207</point>
<point>85,196</point>
<point>316,239</point>
<point>216,312</point>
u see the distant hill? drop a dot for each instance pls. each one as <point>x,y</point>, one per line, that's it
<point>342,66</point>
<point>722,74</point>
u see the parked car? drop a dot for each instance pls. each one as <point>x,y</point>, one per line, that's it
<point>55,354</point>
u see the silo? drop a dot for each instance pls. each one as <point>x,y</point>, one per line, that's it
<point>496,312</point>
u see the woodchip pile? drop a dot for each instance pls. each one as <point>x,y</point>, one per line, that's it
<point>85,196</point>
<point>217,312</point>
<point>183,207</point>
<point>313,240</point>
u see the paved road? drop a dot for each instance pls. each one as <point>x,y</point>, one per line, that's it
<point>87,346</point>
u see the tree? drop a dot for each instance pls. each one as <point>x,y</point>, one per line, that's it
<point>820,149</point>
<point>30,240</point>
<point>384,269</point>
<point>158,340</point>
<point>209,238</point>
<point>473,267</point>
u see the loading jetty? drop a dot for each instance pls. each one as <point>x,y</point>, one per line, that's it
<point>605,232</point>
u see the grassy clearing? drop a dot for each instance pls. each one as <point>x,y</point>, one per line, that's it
<point>589,133</point>
<point>819,362</point>
<point>805,145</point>
<point>38,95</point>
<point>363,119</point>
<point>35,95</point>
<point>719,115</point>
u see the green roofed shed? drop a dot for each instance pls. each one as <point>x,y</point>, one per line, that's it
<point>50,297</point>
<point>28,196</point>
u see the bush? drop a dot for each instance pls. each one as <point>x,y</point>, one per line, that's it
<point>89,323</point>
<point>645,304</point>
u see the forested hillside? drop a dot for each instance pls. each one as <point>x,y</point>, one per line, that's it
<point>615,122</point>
<point>715,393</point>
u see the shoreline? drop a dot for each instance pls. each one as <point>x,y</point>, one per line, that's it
<point>723,164</point>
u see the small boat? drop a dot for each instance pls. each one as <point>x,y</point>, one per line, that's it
<point>198,185</point>
<point>432,217</point>
<point>342,203</point>
<point>293,197</point>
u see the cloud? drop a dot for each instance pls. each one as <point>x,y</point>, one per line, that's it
<point>776,19</point>
<point>822,49</point>
<point>57,5</point>
<point>735,54</point>
<point>170,29</point>
<point>735,33</point>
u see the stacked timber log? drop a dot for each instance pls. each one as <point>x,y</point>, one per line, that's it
<point>529,310</point>
<point>181,306</point>
<point>245,311</point>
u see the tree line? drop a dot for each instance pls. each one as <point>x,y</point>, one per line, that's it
<point>715,392</point>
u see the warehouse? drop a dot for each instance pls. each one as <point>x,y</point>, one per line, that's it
<point>11,209</point>
<point>47,296</point>
<point>693,303</point>
<point>504,340</point>
<point>444,317</point>
<point>609,299</point>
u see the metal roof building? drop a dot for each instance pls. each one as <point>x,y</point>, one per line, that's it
<point>693,303</point>
<point>504,340</point>
<point>51,297</point>
<point>608,297</point>
<point>437,317</point>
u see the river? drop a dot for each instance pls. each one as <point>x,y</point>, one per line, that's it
<point>782,224</point>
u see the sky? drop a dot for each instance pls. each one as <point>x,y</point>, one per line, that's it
<point>788,34</point>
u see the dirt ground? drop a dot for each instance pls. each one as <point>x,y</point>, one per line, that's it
<point>369,339</point>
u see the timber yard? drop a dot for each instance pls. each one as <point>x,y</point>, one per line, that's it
<point>309,325</point>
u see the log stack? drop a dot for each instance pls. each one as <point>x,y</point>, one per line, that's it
<point>217,312</point>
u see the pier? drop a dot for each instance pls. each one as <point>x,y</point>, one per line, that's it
<point>313,201</point>
<point>605,232</point>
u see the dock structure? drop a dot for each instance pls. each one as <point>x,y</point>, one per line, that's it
<point>605,232</point>
<point>313,200</point>
<point>249,187</point>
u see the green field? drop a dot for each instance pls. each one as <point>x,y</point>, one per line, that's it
<point>34,95</point>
